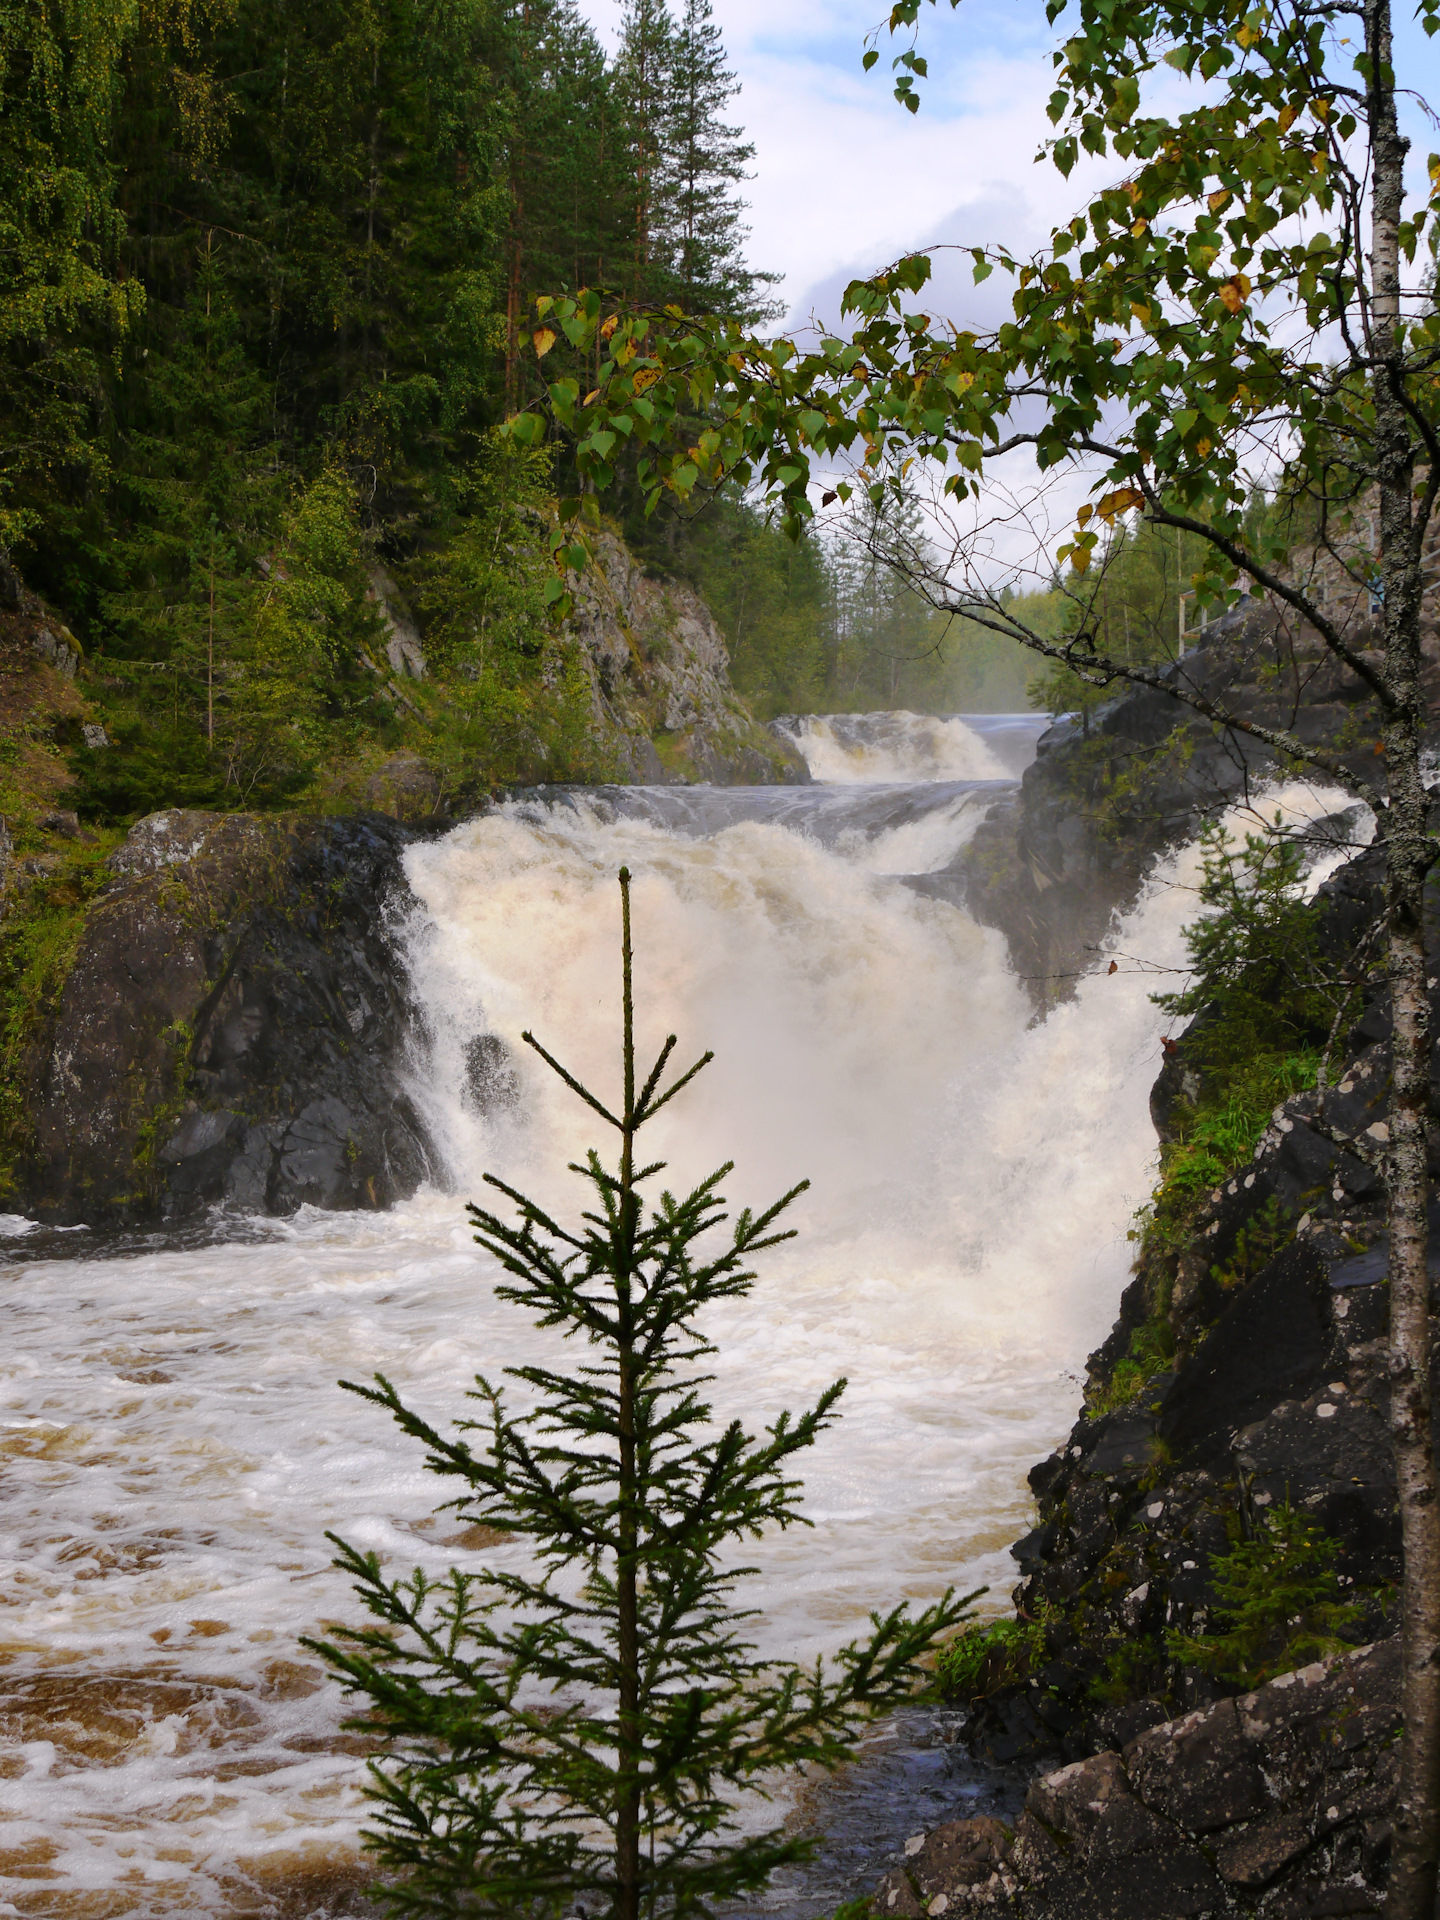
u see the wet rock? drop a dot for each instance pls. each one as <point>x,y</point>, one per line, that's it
<point>1270,1342</point>
<point>1277,1802</point>
<point>1199,1772</point>
<point>235,1029</point>
<point>1051,866</point>
<point>963,1854</point>
<point>663,708</point>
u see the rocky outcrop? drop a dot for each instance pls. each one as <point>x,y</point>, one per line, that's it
<point>1277,1802</point>
<point>1051,865</point>
<point>664,709</point>
<point>1276,1308</point>
<point>234,1028</point>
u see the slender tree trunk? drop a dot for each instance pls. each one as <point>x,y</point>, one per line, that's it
<point>1408,856</point>
<point>628,1745</point>
<point>210,657</point>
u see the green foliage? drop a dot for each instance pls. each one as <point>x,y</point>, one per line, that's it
<point>59,237</point>
<point>1151,1349</point>
<point>1267,1230</point>
<point>1255,963</point>
<point>1280,1600</point>
<point>984,1658</point>
<point>580,1729</point>
<point>268,271</point>
<point>822,625</point>
<point>1161,340</point>
<point>1264,999</point>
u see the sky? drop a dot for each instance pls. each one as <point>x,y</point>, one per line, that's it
<point>846,179</point>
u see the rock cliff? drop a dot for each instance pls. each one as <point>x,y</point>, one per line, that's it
<point>1245,1375</point>
<point>233,1028</point>
<point>1051,866</point>
<point>1274,1803</point>
<point>663,706</point>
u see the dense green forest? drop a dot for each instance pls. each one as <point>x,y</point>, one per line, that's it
<point>268,273</point>
<point>271,279</point>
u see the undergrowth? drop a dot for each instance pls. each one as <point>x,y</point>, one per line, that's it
<point>1280,1603</point>
<point>984,1658</point>
<point>1151,1349</point>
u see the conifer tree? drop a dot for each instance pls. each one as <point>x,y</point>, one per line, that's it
<point>578,1731</point>
<point>707,160</point>
<point>644,81</point>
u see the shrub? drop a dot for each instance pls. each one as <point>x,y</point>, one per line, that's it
<point>1280,1600</point>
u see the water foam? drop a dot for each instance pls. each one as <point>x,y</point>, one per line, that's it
<point>877,747</point>
<point>176,1445</point>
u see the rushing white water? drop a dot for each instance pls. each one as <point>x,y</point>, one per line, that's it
<point>901,746</point>
<point>175,1443</point>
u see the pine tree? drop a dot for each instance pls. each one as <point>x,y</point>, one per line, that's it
<point>644,79</point>
<point>580,1731</point>
<point>706,161</point>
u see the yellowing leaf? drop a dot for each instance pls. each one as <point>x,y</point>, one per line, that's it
<point>1235,292</point>
<point>544,340</point>
<point>1080,558</point>
<point>594,394</point>
<point>1220,198</point>
<point>1202,449</point>
<point>1246,36</point>
<point>1141,312</point>
<point>1120,501</point>
<point>1140,226</point>
<point>1288,117</point>
<point>1084,514</point>
<point>645,377</point>
<point>608,329</point>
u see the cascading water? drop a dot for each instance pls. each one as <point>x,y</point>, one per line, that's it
<point>175,1443</point>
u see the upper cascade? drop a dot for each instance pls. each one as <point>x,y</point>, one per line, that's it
<point>872,749</point>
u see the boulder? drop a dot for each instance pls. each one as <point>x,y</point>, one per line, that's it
<point>1275,1803</point>
<point>234,1029</point>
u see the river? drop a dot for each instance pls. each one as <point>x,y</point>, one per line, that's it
<point>175,1444</point>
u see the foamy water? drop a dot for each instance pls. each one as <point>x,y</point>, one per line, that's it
<point>863,747</point>
<point>176,1444</point>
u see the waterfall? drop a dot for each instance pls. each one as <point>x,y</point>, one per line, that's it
<point>175,1443</point>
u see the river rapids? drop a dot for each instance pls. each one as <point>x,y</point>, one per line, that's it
<point>175,1443</point>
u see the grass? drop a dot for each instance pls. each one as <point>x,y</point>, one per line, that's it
<point>1151,1349</point>
<point>984,1658</point>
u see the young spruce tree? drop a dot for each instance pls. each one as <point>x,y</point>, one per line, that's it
<point>578,1733</point>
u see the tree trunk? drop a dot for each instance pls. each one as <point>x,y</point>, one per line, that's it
<point>1408,856</point>
<point>627,1636</point>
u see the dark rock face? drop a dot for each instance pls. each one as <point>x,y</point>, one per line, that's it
<point>1276,1802</point>
<point>1277,1393</point>
<point>1050,867</point>
<point>234,1028</point>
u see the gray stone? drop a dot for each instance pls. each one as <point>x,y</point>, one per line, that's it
<point>1199,1772</point>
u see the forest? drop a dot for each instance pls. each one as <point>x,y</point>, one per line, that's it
<point>272,276</point>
